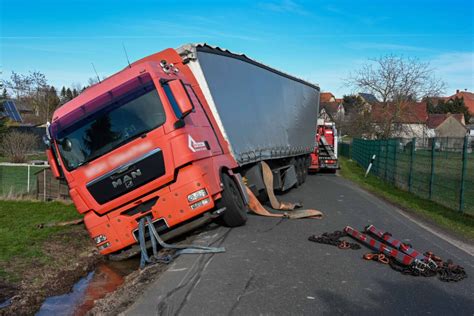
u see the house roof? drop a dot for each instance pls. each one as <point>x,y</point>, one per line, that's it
<point>326,97</point>
<point>330,107</point>
<point>410,113</point>
<point>435,120</point>
<point>468,99</point>
<point>368,97</point>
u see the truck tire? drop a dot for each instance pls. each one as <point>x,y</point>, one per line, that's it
<point>299,170</point>
<point>236,210</point>
<point>305,166</point>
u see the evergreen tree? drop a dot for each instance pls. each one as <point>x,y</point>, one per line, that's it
<point>455,105</point>
<point>63,95</point>
<point>69,95</point>
<point>74,93</point>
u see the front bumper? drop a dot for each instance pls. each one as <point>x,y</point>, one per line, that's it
<point>171,208</point>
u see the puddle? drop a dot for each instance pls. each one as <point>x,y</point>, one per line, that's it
<point>106,278</point>
<point>6,303</point>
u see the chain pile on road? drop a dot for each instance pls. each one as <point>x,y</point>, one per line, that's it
<point>334,239</point>
<point>401,257</point>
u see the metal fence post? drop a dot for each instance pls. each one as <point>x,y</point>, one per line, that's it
<point>412,157</point>
<point>463,174</point>
<point>28,181</point>
<point>386,160</point>
<point>394,171</point>
<point>433,144</point>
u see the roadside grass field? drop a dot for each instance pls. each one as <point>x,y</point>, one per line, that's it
<point>14,180</point>
<point>449,219</point>
<point>21,241</point>
<point>446,178</point>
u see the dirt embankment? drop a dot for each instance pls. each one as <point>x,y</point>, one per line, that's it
<point>70,256</point>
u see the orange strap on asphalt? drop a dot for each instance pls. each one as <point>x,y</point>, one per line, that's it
<point>268,181</point>
<point>256,207</point>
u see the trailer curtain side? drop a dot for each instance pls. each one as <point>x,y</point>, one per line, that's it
<point>263,113</point>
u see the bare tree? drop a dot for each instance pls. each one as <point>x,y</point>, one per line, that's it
<point>398,83</point>
<point>33,89</point>
<point>16,145</point>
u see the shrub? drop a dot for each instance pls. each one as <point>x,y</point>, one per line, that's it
<point>16,145</point>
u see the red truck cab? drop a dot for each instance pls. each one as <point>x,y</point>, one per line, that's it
<point>140,143</point>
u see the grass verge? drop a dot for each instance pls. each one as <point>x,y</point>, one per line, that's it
<point>21,241</point>
<point>454,221</point>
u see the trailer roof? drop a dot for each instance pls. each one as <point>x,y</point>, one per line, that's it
<point>189,51</point>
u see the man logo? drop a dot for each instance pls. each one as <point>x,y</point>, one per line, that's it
<point>127,179</point>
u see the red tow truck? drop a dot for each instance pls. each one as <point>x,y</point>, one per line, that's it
<point>172,136</point>
<point>324,155</point>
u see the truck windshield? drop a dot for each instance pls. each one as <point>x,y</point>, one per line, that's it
<point>118,122</point>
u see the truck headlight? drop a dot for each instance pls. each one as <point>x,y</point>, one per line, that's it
<point>99,239</point>
<point>200,203</point>
<point>197,195</point>
<point>102,247</point>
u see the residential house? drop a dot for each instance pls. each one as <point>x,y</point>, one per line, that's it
<point>468,99</point>
<point>449,129</point>
<point>327,97</point>
<point>331,111</point>
<point>330,108</point>
<point>407,121</point>
<point>368,98</point>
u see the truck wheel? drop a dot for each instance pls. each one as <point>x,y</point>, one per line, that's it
<point>305,166</point>
<point>236,210</point>
<point>299,170</point>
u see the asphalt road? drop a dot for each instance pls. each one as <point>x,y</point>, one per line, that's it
<point>271,268</point>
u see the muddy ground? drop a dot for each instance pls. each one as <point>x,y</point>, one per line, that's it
<point>137,281</point>
<point>72,255</point>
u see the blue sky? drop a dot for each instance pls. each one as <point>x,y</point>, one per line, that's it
<point>321,41</point>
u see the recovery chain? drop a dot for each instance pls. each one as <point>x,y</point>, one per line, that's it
<point>447,271</point>
<point>416,264</point>
<point>334,239</point>
<point>405,248</point>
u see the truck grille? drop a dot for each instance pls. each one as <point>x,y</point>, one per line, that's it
<point>128,177</point>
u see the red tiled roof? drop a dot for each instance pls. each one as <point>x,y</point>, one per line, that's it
<point>330,107</point>
<point>326,97</point>
<point>468,99</point>
<point>435,120</point>
<point>412,113</point>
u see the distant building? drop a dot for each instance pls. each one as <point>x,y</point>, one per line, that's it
<point>468,99</point>
<point>331,109</point>
<point>327,97</point>
<point>448,125</point>
<point>368,98</point>
<point>407,121</point>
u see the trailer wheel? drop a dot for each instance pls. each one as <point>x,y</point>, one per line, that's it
<point>299,171</point>
<point>236,210</point>
<point>305,166</point>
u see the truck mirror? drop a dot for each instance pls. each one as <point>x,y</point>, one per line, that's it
<point>52,163</point>
<point>181,96</point>
<point>66,144</point>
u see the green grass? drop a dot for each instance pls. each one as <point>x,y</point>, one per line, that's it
<point>454,221</point>
<point>20,239</point>
<point>14,179</point>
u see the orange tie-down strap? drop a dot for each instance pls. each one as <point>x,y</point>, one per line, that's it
<point>256,207</point>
